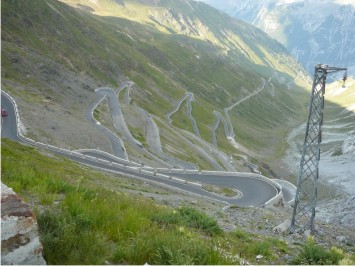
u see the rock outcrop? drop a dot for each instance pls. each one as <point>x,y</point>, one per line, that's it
<point>340,211</point>
<point>20,242</point>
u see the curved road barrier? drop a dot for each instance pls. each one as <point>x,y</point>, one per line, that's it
<point>257,190</point>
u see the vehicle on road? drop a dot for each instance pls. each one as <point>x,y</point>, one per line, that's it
<point>3,112</point>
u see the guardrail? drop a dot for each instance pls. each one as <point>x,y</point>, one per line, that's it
<point>98,125</point>
<point>277,186</point>
<point>138,168</point>
<point>222,173</point>
<point>113,157</point>
<point>288,186</point>
<point>128,165</point>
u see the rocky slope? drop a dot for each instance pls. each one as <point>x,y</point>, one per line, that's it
<point>55,55</point>
<point>314,32</point>
<point>336,165</point>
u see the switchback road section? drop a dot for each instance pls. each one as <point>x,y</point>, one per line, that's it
<point>256,191</point>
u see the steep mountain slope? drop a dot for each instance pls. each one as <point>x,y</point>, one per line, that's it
<point>314,31</point>
<point>338,139</point>
<point>54,57</point>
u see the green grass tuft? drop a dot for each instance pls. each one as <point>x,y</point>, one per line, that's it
<point>314,254</point>
<point>191,218</point>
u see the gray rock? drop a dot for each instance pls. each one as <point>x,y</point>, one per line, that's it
<point>307,233</point>
<point>283,227</point>
<point>341,239</point>
<point>19,231</point>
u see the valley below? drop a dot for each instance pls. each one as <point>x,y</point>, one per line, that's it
<point>337,167</point>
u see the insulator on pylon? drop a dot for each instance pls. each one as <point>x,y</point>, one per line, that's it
<point>344,78</point>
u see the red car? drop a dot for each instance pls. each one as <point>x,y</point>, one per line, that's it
<point>3,112</point>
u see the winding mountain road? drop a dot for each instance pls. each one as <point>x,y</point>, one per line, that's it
<point>210,157</point>
<point>256,190</point>
<point>117,116</point>
<point>120,124</point>
<point>9,123</point>
<point>117,144</point>
<point>219,117</point>
<point>153,140</point>
<point>189,97</point>
<point>227,109</point>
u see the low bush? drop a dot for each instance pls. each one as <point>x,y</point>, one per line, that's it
<point>314,254</point>
<point>191,218</point>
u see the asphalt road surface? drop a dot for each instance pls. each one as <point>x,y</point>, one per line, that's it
<point>255,191</point>
<point>9,125</point>
<point>116,143</point>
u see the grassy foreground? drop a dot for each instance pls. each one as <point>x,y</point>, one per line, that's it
<point>84,221</point>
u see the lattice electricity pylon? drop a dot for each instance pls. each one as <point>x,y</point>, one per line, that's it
<point>306,193</point>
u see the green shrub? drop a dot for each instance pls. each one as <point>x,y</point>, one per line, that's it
<point>189,217</point>
<point>67,239</point>
<point>313,254</point>
<point>242,235</point>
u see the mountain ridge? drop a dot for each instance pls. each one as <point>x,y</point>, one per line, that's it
<point>314,31</point>
<point>59,55</point>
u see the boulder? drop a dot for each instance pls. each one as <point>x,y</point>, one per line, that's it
<point>283,227</point>
<point>20,242</point>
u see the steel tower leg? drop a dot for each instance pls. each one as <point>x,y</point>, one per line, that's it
<point>306,193</point>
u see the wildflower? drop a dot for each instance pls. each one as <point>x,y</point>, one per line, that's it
<point>181,229</point>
